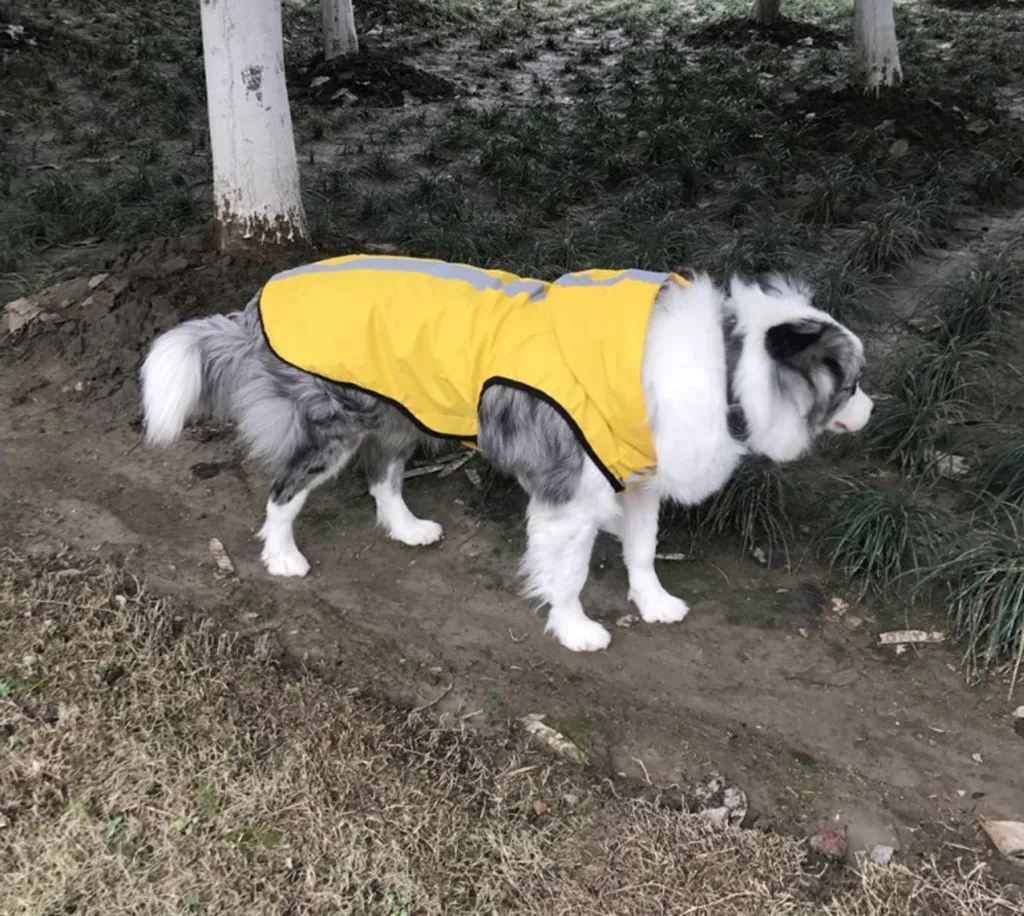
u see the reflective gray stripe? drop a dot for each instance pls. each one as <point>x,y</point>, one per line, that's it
<point>479,279</point>
<point>536,288</point>
<point>640,476</point>
<point>644,276</point>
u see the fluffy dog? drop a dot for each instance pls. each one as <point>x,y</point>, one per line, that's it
<point>718,375</point>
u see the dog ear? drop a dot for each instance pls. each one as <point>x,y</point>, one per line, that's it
<point>785,341</point>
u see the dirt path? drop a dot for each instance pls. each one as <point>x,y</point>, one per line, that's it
<point>761,682</point>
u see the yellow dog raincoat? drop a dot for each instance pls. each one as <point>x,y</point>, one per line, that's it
<point>430,336</point>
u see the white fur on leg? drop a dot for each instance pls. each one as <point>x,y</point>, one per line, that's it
<point>639,544</point>
<point>280,555</point>
<point>575,630</point>
<point>557,561</point>
<point>395,517</point>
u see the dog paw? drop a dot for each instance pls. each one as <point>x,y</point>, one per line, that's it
<point>660,607</point>
<point>417,532</point>
<point>581,635</point>
<point>285,563</point>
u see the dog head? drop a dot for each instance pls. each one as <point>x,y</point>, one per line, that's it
<point>799,370</point>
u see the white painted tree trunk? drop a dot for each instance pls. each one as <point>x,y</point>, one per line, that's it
<point>875,47</point>
<point>255,173</point>
<point>765,12</point>
<point>339,28</point>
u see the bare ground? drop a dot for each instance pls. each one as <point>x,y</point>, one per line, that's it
<point>155,764</point>
<point>762,682</point>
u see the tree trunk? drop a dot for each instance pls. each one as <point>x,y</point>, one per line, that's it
<point>256,196</point>
<point>339,28</point>
<point>875,47</point>
<point>765,12</point>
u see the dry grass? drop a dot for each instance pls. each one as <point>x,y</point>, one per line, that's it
<point>154,765</point>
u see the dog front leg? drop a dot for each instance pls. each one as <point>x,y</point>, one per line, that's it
<point>639,528</point>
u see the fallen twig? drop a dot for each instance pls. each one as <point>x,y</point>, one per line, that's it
<point>899,637</point>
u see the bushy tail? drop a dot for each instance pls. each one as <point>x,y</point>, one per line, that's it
<point>189,369</point>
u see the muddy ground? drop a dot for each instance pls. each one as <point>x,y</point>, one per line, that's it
<point>762,682</point>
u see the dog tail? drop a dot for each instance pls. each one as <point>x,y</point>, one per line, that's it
<point>195,368</point>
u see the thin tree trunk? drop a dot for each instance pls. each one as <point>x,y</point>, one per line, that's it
<point>765,12</point>
<point>256,195</point>
<point>339,28</point>
<point>875,48</point>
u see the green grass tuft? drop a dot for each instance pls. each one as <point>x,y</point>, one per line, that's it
<point>985,587</point>
<point>121,204</point>
<point>1001,473</point>
<point>970,307</point>
<point>752,505</point>
<point>880,536</point>
<point>927,399</point>
<point>899,229</point>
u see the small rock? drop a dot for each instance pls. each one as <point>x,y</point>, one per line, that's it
<point>346,94</point>
<point>758,554</point>
<point>220,556</point>
<point>722,803</point>
<point>97,280</point>
<point>898,149</point>
<point>952,467</point>
<point>839,607</point>
<point>318,81</point>
<point>830,842</point>
<point>977,758</point>
<point>1007,837</point>
<point>540,806</point>
<point>882,855</point>
<point>21,312</point>
<point>627,621</point>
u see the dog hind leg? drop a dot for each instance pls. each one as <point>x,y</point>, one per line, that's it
<point>384,458</point>
<point>308,469</point>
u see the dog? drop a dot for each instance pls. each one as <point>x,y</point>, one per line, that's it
<point>604,393</point>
